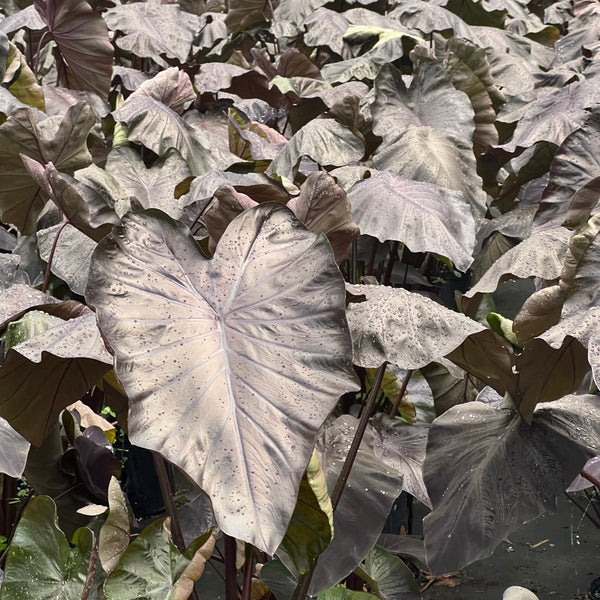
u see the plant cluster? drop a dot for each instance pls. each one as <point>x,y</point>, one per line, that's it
<point>310,254</point>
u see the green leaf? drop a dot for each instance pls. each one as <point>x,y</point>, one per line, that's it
<point>503,326</point>
<point>20,80</point>
<point>341,593</point>
<point>40,562</point>
<point>115,531</point>
<point>311,527</point>
<point>389,576</point>
<point>153,569</point>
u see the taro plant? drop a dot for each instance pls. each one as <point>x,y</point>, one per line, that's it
<point>309,255</point>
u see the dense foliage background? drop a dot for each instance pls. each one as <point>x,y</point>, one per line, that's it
<point>310,255</point>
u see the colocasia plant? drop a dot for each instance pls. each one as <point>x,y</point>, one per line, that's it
<point>309,255</point>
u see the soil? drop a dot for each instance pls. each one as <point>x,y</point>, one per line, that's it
<point>556,557</point>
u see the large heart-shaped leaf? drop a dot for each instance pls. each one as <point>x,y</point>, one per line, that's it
<point>256,347</point>
<point>430,101</point>
<point>576,162</point>
<point>81,37</point>
<point>152,28</point>
<point>424,216</point>
<point>487,473</point>
<point>326,141</point>
<point>553,116</point>
<point>431,125</point>
<point>40,562</point>
<point>160,128</point>
<point>403,328</point>
<point>153,187</point>
<point>61,141</point>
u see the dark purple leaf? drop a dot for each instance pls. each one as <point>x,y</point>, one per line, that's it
<point>153,28</point>
<point>488,472</point>
<point>28,132</point>
<point>85,54</point>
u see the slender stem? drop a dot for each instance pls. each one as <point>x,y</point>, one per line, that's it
<point>167,494</point>
<point>397,402</point>
<point>231,586</point>
<point>393,256</point>
<point>353,254</point>
<point>304,581</point>
<point>36,65</point>
<point>593,502</point>
<point>247,585</point>
<point>369,270</point>
<point>583,508</point>
<point>358,436</point>
<point>591,478</point>
<point>51,257</point>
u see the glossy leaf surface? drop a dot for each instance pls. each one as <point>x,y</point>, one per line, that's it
<point>487,472</point>
<point>268,307</point>
<point>403,328</point>
<point>40,562</point>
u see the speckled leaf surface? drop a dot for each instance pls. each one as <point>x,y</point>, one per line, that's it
<point>402,447</point>
<point>246,353</point>
<point>40,562</point>
<point>539,255</point>
<point>160,128</point>
<point>553,116</point>
<point>326,141</point>
<point>152,28</point>
<point>487,472</point>
<point>424,216</point>
<point>153,187</point>
<point>403,328</point>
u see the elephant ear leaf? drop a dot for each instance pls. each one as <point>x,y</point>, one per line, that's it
<point>29,132</point>
<point>41,563</point>
<point>85,54</point>
<point>248,353</point>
